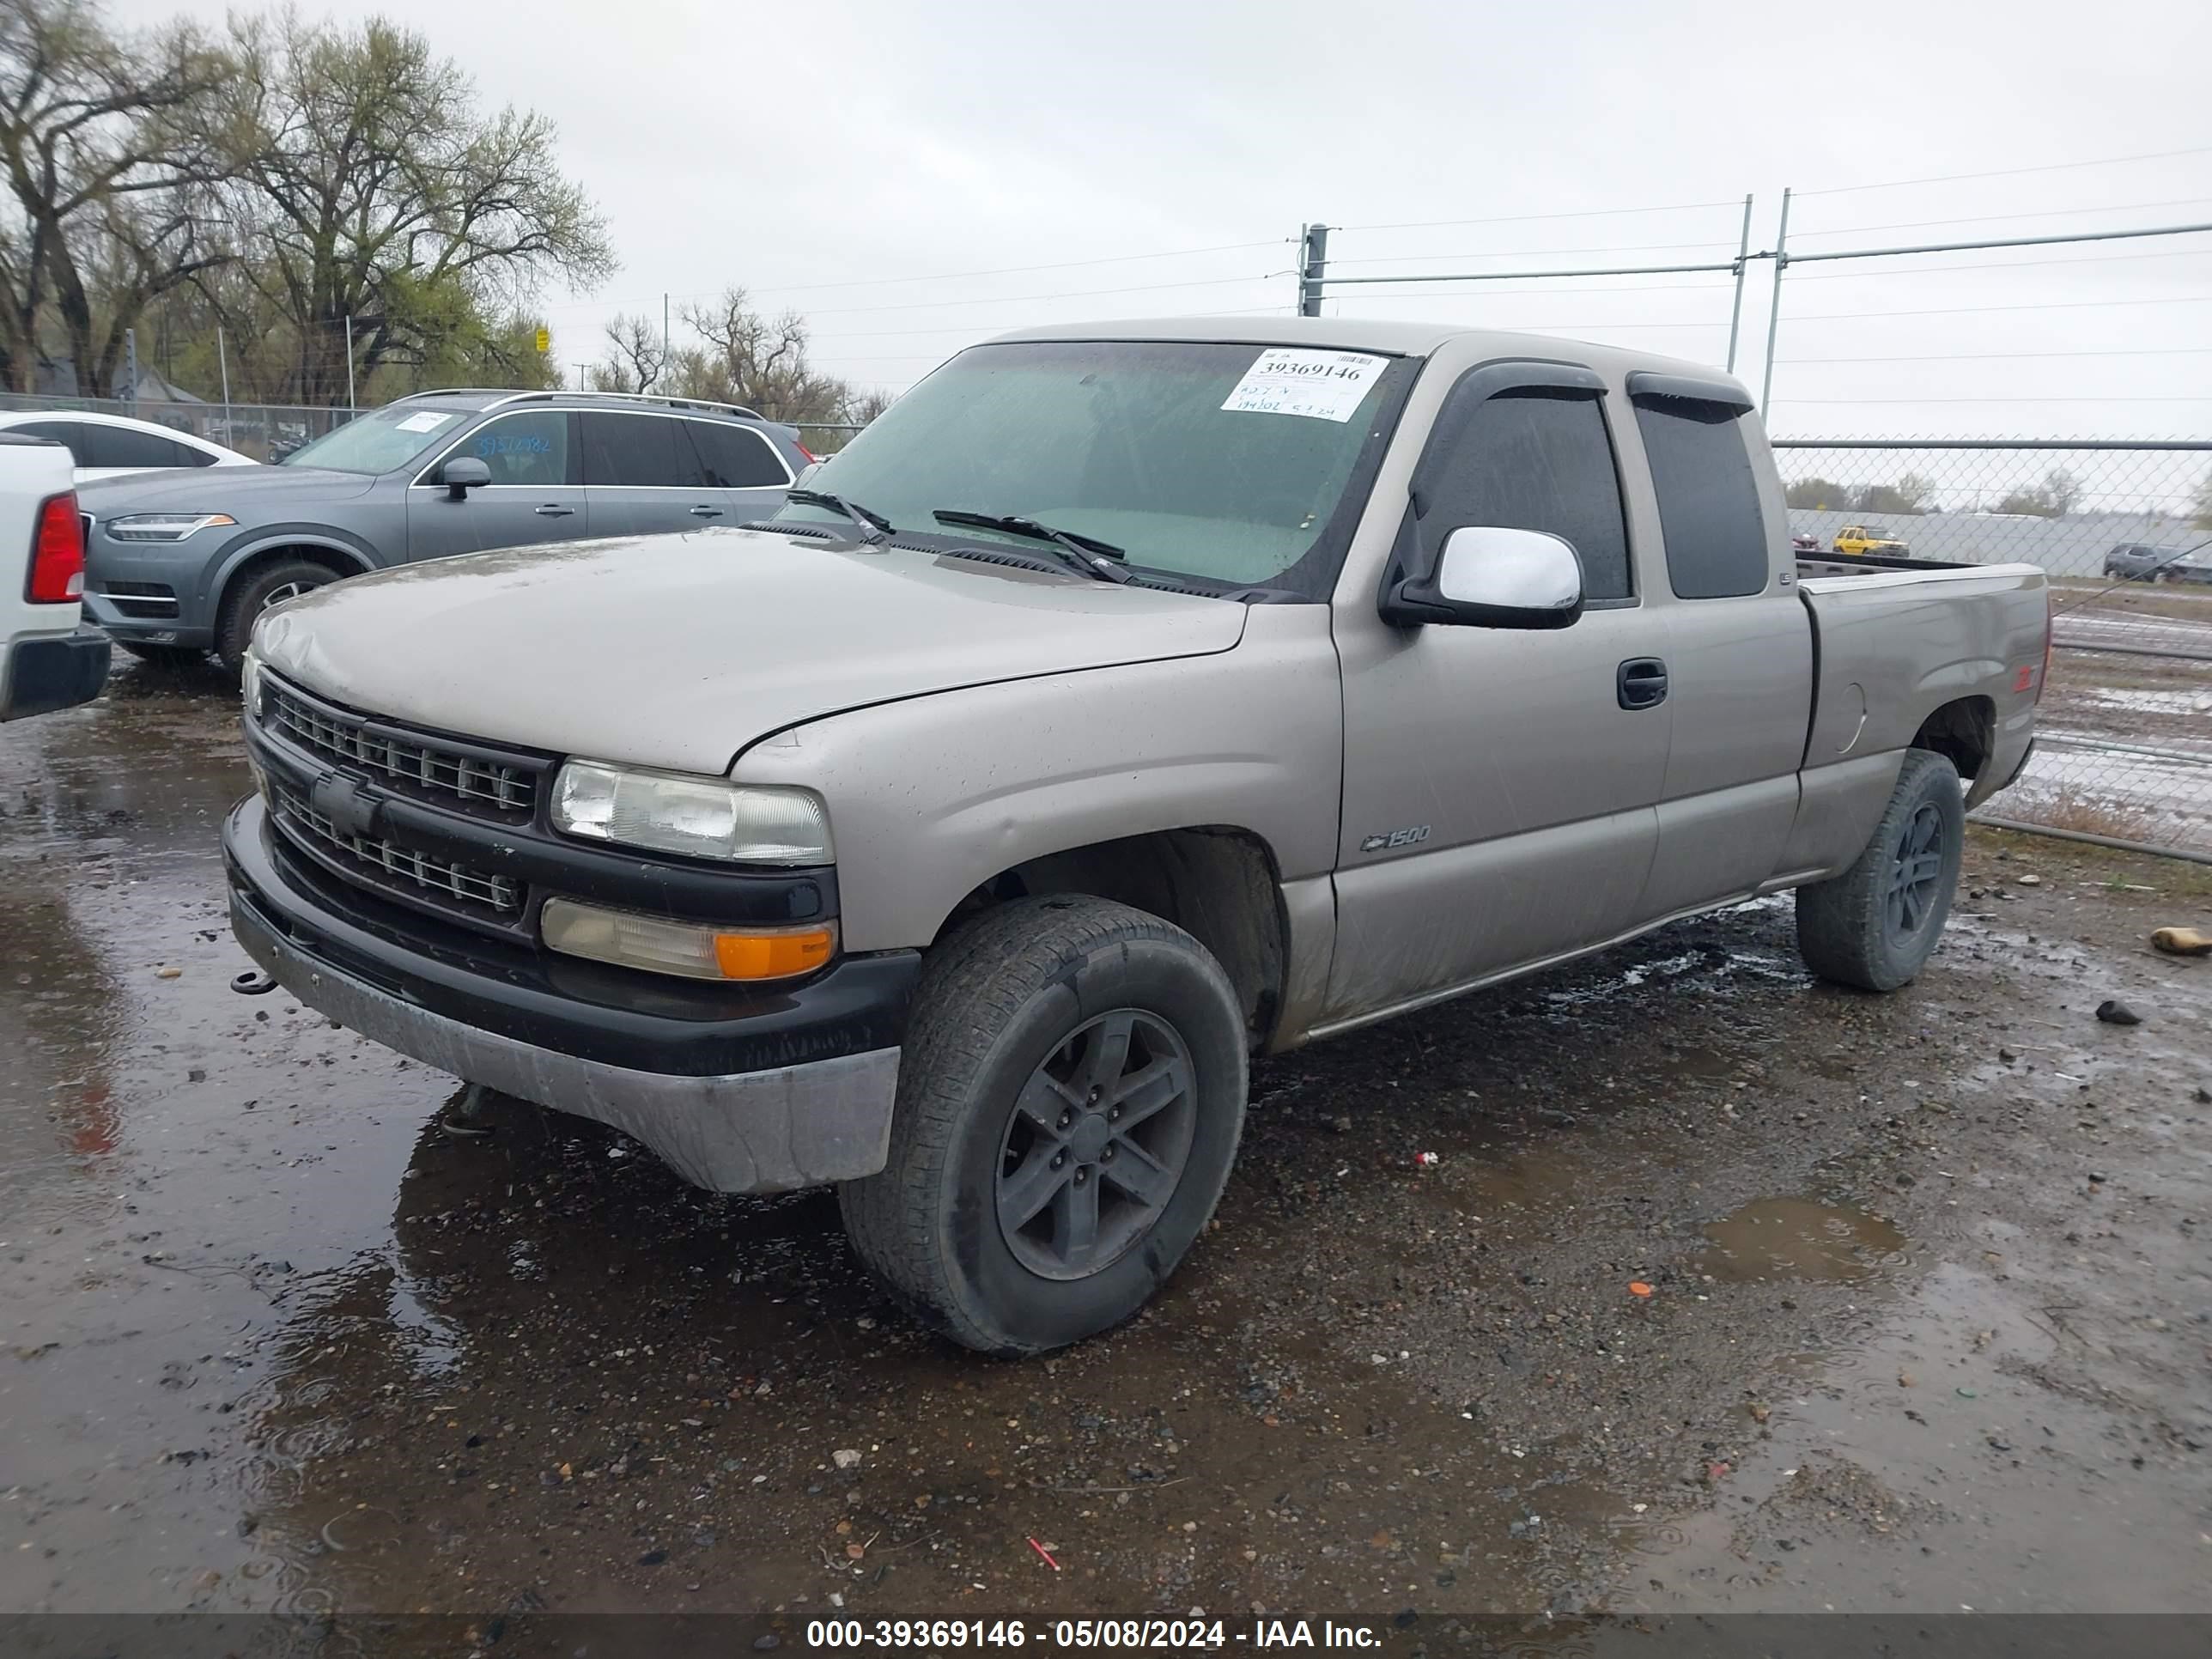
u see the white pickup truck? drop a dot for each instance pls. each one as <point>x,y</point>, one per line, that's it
<point>48,660</point>
<point>1126,701</point>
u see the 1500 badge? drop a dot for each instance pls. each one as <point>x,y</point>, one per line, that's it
<point>1394,839</point>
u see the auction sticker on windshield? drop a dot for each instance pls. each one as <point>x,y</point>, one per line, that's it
<point>426,421</point>
<point>1321,385</point>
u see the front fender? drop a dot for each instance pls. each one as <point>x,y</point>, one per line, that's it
<point>353,550</point>
<point>932,797</point>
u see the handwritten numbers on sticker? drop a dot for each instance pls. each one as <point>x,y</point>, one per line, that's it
<point>1321,385</point>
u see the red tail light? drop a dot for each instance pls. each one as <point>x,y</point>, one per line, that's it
<point>810,454</point>
<point>57,554</point>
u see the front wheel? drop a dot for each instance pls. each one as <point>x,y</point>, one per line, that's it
<point>1070,1097</point>
<point>256,591</point>
<point>1876,925</point>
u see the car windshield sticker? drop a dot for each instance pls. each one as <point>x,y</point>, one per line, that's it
<point>1321,385</point>
<point>426,421</point>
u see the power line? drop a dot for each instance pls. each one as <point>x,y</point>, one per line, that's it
<point>1553,328</point>
<point>1997,264</point>
<point>1992,218</point>
<point>1489,293</point>
<point>1532,218</point>
<point>1015,270</point>
<point>2025,397</point>
<point>2047,305</point>
<point>2011,173</point>
<point>1524,252</point>
<point>1067,294</point>
<point>2006,356</point>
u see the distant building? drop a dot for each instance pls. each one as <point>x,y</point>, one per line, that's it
<point>57,378</point>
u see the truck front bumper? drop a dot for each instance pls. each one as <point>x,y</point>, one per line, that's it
<point>767,1128</point>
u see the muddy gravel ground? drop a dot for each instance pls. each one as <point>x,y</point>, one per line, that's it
<point>1928,1320</point>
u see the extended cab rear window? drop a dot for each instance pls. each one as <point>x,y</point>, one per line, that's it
<point>1708,512</point>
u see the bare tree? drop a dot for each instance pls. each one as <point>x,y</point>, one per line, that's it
<point>862,405</point>
<point>107,156</point>
<point>743,357</point>
<point>378,191</point>
<point>2059,493</point>
<point>635,360</point>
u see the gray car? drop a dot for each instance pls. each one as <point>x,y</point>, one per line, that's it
<point>2140,561</point>
<point>180,564</point>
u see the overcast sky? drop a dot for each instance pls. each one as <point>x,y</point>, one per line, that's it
<point>857,159</point>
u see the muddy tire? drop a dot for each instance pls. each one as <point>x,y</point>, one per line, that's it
<point>254,592</point>
<point>1875,926</point>
<point>1070,1097</point>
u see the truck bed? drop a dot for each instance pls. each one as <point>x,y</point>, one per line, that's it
<point>1893,637</point>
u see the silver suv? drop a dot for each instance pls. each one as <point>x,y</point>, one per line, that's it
<point>180,564</point>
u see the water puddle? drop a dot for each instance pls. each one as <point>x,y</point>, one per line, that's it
<point>1798,1238</point>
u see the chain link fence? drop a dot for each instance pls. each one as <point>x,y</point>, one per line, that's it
<point>261,432</point>
<point>2123,750</point>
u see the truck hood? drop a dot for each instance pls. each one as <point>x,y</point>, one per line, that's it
<point>246,492</point>
<point>678,651</point>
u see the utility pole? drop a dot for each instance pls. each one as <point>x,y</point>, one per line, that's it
<point>222,359</point>
<point>1314,262</point>
<point>350,405</point>
<point>1774,311</point>
<point>1742,267</point>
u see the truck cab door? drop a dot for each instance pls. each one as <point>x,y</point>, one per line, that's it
<point>533,496</point>
<point>1500,786</point>
<point>1740,644</point>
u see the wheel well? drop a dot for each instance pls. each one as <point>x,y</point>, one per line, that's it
<point>1217,884</point>
<point>1964,733</point>
<point>345,564</point>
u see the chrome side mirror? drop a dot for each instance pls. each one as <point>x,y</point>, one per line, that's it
<point>1492,576</point>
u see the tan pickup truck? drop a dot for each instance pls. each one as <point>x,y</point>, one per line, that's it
<point>1127,702</point>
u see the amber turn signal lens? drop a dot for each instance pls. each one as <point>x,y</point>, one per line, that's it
<point>773,956</point>
<point>695,950</point>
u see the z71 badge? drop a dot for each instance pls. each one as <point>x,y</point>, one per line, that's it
<point>1395,839</point>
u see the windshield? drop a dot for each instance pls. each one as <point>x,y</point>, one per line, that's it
<point>381,440</point>
<point>1226,463</point>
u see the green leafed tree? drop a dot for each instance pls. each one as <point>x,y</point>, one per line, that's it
<point>375,188</point>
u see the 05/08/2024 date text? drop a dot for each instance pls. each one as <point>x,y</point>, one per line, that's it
<point>937,1634</point>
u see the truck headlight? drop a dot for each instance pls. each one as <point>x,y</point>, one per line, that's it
<point>697,818</point>
<point>163,526</point>
<point>249,684</point>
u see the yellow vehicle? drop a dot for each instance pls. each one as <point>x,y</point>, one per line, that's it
<point>1869,538</point>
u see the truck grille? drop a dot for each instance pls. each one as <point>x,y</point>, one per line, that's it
<point>388,864</point>
<point>417,763</point>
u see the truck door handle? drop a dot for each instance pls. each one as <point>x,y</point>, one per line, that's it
<point>1641,683</point>
<point>554,510</point>
<point>706,512</point>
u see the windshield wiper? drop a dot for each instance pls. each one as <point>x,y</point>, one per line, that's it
<point>1085,555</point>
<point>874,526</point>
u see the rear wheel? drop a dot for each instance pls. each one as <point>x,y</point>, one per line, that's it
<point>1875,926</point>
<point>254,592</point>
<point>1071,1094</point>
